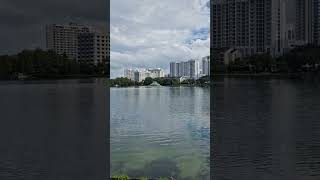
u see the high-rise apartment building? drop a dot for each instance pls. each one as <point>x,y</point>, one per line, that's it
<point>190,69</point>
<point>307,22</point>
<point>81,43</point>
<point>63,39</point>
<point>93,48</point>
<point>316,22</point>
<point>129,73</point>
<point>174,69</point>
<point>304,21</point>
<point>156,73</point>
<point>252,26</point>
<point>205,66</point>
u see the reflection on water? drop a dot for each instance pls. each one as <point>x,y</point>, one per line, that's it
<point>266,129</point>
<point>160,132</point>
<point>53,130</point>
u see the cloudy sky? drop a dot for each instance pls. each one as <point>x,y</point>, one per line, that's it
<point>23,22</point>
<point>151,33</point>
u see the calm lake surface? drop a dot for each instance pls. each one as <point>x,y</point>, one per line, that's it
<point>266,129</point>
<point>52,130</point>
<point>160,132</point>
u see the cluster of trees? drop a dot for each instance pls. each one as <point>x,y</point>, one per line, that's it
<point>297,60</point>
<point>167,81</point>
<point>125,82</point>
<point>46,64</point>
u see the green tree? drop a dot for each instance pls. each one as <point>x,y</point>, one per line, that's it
<point>122,82</point>
<point>147,81</point>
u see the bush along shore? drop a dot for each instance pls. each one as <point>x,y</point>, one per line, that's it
<point>125,82</point>
<point>40,64</point>
<point>297,62</point>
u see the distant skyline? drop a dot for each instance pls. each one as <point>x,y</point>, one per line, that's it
<point>153,33</point>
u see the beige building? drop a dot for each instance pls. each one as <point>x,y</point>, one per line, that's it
<point>81,43</point>
<point>142,74</point>
<point>63,39</point>
<point>156,73</point>
<point>93,48</point>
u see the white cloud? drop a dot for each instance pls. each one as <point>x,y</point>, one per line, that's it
<point>151,33</point>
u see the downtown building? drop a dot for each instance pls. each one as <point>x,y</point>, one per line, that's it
<point>78,42</point>
<point>63,38</point>
<point>205,66</point>
<point>304,22</point>
<point>307,22</point>
<point>93,48</point>
<point>191,69</point>
<point>142,74</point>
<point>316,22</point>
<point>251,26</point>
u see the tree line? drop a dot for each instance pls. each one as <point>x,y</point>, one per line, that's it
<point>43,64</point>
<point>300,59</point>
<point>163,81</point>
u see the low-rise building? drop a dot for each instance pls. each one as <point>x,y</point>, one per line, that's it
<point>231,55</point>
<point>225,56</point>
<point>142,74</point>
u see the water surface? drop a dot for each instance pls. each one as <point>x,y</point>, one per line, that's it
<point>266,129</point>
<point>160,132</point>
<point>53,129</point>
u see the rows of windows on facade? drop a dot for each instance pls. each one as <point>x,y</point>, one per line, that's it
<point>248,27</point>
<point>85,44</point>
<point>191,69</point>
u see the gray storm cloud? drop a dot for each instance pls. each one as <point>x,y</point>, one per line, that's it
<point>23,22</point>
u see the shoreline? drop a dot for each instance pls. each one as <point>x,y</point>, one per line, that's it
<point>43,78</point>
<point>275,75</point>
<point>158,86</point>
<point>255,74</point>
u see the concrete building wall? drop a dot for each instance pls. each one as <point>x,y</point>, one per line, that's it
<point>316,21</point>
<point>250,26</point>
<point>140,75</point>
<point>129,73</point>
<point>191,69</point>
<point>78,42</point>
<point>93,48</point>
<point>205,66</point>
<point>173,69</point>
<point>304,21</point>
<point>63,39</point>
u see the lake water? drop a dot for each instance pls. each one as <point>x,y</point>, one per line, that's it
<point>52,130</point>
<point>160,132</point>
<point>262,129</point>
<point>266,129</point>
